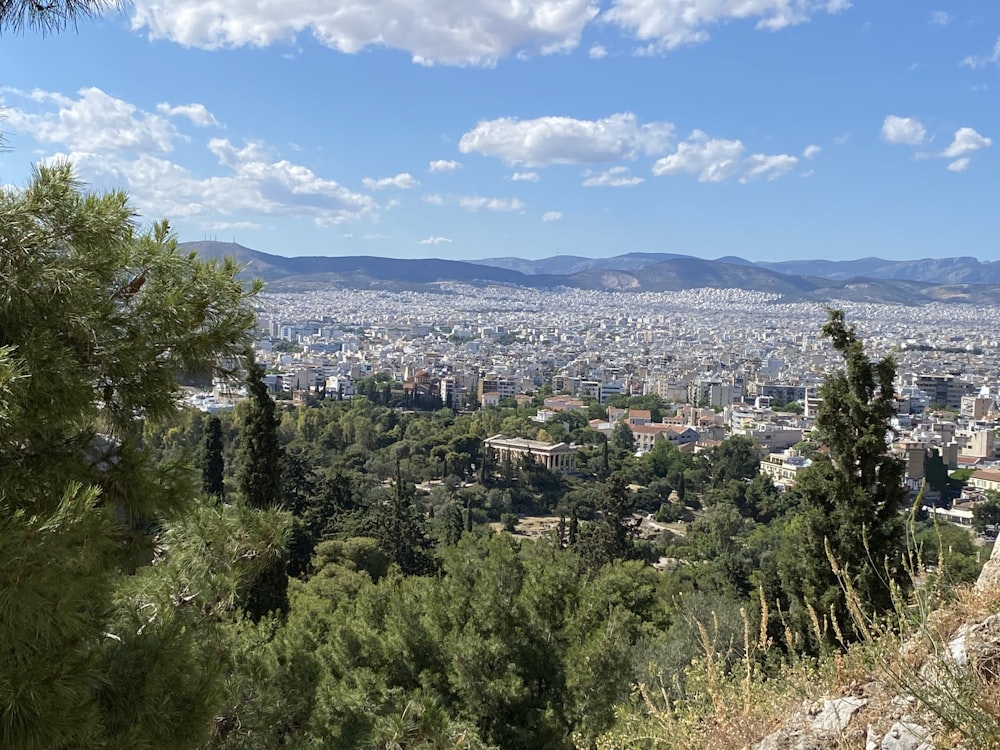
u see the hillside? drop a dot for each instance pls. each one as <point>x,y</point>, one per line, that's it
<point>818,281</point>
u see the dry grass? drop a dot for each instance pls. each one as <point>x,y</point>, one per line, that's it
<point>904,667</point>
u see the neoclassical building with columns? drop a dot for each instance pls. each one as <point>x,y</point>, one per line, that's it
<point>557,457</point>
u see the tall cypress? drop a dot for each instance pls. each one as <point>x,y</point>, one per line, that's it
<point>261,460</point>
<point>260,454</point>
<point>212,463</point>
<point>849,499</point>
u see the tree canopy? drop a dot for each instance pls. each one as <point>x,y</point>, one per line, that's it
<point>97,320</point>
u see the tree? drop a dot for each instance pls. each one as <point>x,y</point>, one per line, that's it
<point>986,513</point>
<point>212,464</point>
<point>850,498</point>
<point>53,15</point>
<point>97,321</point>
<point>738,458</point>
<point>260,453</point>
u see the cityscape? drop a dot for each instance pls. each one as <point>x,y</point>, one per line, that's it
<point>722,362</point>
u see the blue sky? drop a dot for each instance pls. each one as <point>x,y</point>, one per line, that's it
<point>769,129</point>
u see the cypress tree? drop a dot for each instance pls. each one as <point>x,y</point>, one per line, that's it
<point>261,461</point>
<point>260,454</point>
<point>212,463</point>
<point>850,498</point>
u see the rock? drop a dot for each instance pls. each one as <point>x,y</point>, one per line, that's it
<point>836,715</point>
<point>906,735</point>
<point>989,578</point>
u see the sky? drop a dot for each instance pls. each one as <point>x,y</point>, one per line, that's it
<point>765,129</point>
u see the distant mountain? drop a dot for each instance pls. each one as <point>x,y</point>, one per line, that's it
<point>957,270</point>
<point>366,270</point>
<point>637,272</point>
<point>571,264</point>
<point>685,272</point>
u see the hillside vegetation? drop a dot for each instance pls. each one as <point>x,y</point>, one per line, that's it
<point>273,578</point>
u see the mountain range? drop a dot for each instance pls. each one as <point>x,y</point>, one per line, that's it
<point>957,280</point>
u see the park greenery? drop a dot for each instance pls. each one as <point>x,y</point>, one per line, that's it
<point>338,574</point>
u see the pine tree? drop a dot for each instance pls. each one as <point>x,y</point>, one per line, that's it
<point>97,319</point>
<point>53,15</point>
<point>212,463</point>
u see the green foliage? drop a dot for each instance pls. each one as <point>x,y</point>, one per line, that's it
<point>212,461</point>
<point>986,514</point>
<point>736,458</point>
<point>849,500</point>
<point>260,456</point>
<point>98,647</point>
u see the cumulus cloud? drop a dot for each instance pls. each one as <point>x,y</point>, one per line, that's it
<point>965,141</point>
<point>597,52</point>
<point>196,113</point>
<point>552,216</point>
<point>564,140</point>
<point>979,61</point>
<point>94,122</point>
<point>668,24</point>
<point>959,165</point>
<point>435,241</point>
<point>811,152</point>
<point>402,181</point>
<point>614,177</point>
<point>941,18</point>
<point>113,143</point>
<point>435,199</point>
<point>475,32</point>
<point>443,165</point>
<point>717,160</point>
<point>905,130</point>
<point>525,177</point>
<point>477,202</point>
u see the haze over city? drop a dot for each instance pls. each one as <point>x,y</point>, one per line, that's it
<point>767,129</point>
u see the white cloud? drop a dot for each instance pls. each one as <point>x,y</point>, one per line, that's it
<point>959,165</point>
<point>941,18</point>
<point>254,187</point>
<point>668,24</point>
<point>981,61</point>
<point>444,165</point>
<point>476,202</point>
<point>713,160</point>
<point>435,199</point>
<point>435,241</point>
<point>614,177</point>
<point>811,152</point>
<point>965,141</point>
<point>196,113</point>
<point>402,181</point>
<point>565,140</point>
<point>767,166</point>
<point>474,32</point>
<point>95,122</point>
<point>905,130</point>
<point>597,52</point>
<point>223,226</point>
<point>525,177</point>
<point>552,216</point>
<point>717,159</point>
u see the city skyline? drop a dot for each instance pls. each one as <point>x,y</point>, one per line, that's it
<point>767,129</point>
